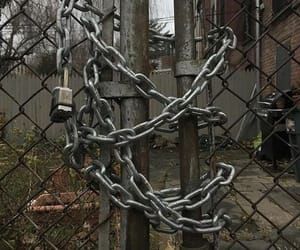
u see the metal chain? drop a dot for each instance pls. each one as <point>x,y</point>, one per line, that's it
<point>63,23</point>
<point>164,207</point>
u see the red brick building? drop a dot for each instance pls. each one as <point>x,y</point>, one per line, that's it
<point>232,13</point>
<point>237,15</point>
<point>279,37</point>
<point>280,55</point>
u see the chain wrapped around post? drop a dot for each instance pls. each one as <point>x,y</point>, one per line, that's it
<point>62,101</point>
<point>163,207</point>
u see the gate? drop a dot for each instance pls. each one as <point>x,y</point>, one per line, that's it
<point>227,177</point>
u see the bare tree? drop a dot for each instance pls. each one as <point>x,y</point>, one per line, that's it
<point>26,30</point>
<point>29,35</point>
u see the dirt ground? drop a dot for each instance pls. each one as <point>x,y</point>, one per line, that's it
<point>257,204</point>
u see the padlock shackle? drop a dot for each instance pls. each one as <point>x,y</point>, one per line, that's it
<point>66,78</point>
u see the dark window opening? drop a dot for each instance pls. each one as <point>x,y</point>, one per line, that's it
<point>249,23</point>
<point>221,14</point>
<point>278,5</point>
<point>283,63</point>
<point>213,15</point>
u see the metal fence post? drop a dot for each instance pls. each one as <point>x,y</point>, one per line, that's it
<point>104,211</point>
<point>188,133</point>
<point>134,46</point>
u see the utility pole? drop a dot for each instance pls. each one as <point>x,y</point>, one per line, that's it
<point>185,47</point>
<point>134,110</point>
<point>105,210</point>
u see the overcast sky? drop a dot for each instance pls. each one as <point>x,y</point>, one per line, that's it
<point>163,11</point>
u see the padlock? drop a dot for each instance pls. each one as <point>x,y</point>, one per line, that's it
<point>61,105</point>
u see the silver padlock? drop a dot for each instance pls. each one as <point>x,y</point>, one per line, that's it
<point>62,104</point>
<point>62,100</point>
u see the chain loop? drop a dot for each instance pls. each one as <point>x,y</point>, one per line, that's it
<point>164,207</point>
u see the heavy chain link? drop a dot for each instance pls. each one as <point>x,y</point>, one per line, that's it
<point>163,208</point>
<point>64,56</point>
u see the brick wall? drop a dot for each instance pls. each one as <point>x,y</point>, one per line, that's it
<point>230,12</point>
<point>285,29</point>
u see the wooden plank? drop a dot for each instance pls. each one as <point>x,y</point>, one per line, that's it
<point>104,211</point>
<point>134,47</point>
<point>112,90</point>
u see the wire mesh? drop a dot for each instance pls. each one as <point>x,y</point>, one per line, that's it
<point>44,204</point>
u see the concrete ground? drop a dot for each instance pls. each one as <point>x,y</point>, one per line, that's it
<point>257,205</point>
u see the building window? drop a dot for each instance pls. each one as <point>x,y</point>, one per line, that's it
<point>283,63</point>
<point>278,5</point>
<point>249,23</point>
<point>213,16</point>
<point>221,14</point>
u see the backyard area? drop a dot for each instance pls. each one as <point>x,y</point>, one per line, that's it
<point>150,125</point>
<point>258,205</point>
<point>65,211</point>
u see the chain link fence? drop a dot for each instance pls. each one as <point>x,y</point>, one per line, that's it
<point>45,204</point>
